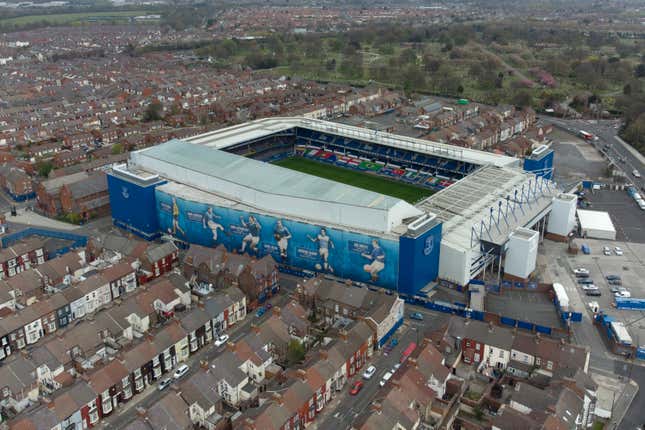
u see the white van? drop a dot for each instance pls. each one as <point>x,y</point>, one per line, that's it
<point>386,378</point>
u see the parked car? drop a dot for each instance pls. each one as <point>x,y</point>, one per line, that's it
<point>221,340</point>
<point>612,277</point>
<point>593,293</point>
<point>260,312</point>
<point>416,316</point>
<point>386,378</point>
<point>181,371</point>
<point>590,287</point>
<point>623,292</point>
<point>585,249</point>
<point>356,388</point>
<point>581,271</point>
<point>583,281</point>
<point>615,289</point>
<point>636,173</point>
<point>369,372</point>
<point>164,383</point>
<point>615,282</point>
<point>618,251</point>
<point>606,250</point>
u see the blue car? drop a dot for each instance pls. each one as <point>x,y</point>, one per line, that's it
<point>585,249</point>
<point>260,312</point>
<point>416,316</point>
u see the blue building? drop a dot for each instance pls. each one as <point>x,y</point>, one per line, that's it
<point>540,162</point>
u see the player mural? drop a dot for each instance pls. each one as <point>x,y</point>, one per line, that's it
<point>293,243</point>
<point>282,236</point>
<point>324,242</point>
<point>208,221</point>
<point>252,238</point>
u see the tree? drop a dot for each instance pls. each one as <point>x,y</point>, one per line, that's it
<point>43,168</point>
<point>522,99</point>
<point>117,148</point>
<point>153,112</point>
<point>295,352</point>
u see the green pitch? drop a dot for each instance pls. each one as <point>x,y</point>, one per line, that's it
<point>407,192</point>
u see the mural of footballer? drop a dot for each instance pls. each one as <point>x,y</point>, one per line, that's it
<point>282,236</point>
<point>208,222</point>
<point>324,242</point>
<point>253,236</point>
<point>377,256</point>
<point>175,218</point>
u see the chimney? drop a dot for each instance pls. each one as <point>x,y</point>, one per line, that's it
<point>343,335</point>
<point>276,311</point>
<point>324,355</point>
<point>149,336</point>
<point>200,305</point>
<point>490,326</point>
<point>203,364</point>
<point>413,362</point>
<point>376,407</point>
<point>230,345</point>
<point>255,328</point>
<point>537,337</point>
<point>141,412</point>
<point>278,398</point>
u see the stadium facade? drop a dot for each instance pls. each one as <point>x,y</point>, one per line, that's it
<point>220,188</point>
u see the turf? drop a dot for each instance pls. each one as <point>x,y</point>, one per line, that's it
<point>367,181</point>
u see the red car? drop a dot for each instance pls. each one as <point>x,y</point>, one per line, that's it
<point>356,388</point>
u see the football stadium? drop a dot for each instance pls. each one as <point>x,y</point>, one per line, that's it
<point>378,208</point>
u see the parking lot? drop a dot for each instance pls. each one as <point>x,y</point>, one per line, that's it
<point>627,217</point>
<point>576,159</point>
<point>629,267</point>
<point>524,305</point>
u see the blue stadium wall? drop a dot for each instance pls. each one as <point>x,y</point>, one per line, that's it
<point>542,166</point>
<point>419,260</point>
<point>133,206</point>
<point>349,253</point>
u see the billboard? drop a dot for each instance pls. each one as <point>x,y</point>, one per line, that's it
<point>313,247</point>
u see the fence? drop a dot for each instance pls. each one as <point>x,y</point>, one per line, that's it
<point>77,240</point>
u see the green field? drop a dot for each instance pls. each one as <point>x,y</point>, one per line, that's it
<point>407,192</point>
<point>72,18</point>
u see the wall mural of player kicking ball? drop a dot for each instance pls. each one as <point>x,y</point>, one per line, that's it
<point>175,218</point>
<point>208,222</point>
<point>282,235</point>
<point>324,242</point>
<point>252,238</point>
<point>377,256</point>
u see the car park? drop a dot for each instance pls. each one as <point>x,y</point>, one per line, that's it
<point>221,340</point>
<point>416,316</point>
<point>385,378</point>
<point>181,371</point>
<point>369,372</point>
<point>581,271</point>
<point>164,383</point>
<point>356,388</point>
<point>618,250</point>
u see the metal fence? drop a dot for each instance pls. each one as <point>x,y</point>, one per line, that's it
<point>77,240</point>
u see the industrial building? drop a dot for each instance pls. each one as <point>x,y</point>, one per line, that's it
<point>220,188</point>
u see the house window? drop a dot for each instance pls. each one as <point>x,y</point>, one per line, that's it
<point>138,385</point>
<point>127,392</point>
<point>107,405</point>
<point>501,353</point>
<point>538,361</point>
<point>549,365</point>
<point>94,415</point>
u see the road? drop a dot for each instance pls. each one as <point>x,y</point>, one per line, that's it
<point>607,133</point>
<point>345,408</point>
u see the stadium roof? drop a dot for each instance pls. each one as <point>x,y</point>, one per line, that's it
<point>272,188</point>
<point>469,201</point>
<point>249,131</point>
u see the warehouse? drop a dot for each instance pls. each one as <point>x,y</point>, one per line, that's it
<point>596,225</point>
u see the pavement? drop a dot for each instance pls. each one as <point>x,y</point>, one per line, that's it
<point>32,219</point>
<point>614,396</point>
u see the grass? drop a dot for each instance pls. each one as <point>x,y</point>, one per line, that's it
<point>597,425</point>
<point>70,18</point>
<point>371,182</point>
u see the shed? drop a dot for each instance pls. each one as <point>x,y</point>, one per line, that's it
<point>596,224</point>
